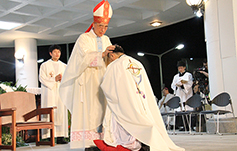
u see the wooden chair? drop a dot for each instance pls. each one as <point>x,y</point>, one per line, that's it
<point>18,111</point>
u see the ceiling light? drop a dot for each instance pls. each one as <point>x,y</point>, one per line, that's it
<point>156,23</point>
<point>197,6</point>
<point>8,25</point>
<point>199,13</point>
<point>193,2</point>
<point>20,54</point>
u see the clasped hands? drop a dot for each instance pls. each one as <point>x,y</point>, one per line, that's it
<point>179,84</point>
<point>58,78</point>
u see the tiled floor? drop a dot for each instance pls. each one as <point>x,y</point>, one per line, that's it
<point>204,142</point>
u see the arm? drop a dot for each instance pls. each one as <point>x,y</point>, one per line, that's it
<point>82,55</point>
<point>88,46</point>
<point>188,85</point>
<point>46,80</point>
<point>173,84</point>
<point>205,73</point>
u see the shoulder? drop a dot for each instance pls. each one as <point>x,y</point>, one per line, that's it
<point>176,75</point>
<point>129,59</point>
<point>46,62</point>
<point>170,95</point>
<point>62,63</point>
<point>105,37</point>
<point>188,73</point>
<point>84,35</point>
<point>46,65</point>
<point>88,35</point>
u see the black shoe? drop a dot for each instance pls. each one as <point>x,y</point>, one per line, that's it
<point>92,149</point>
<point>183,129</point>
<point>145,148</point>
<point>60,140</point>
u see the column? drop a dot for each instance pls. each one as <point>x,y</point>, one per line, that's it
<point>26,71</point>
<point>221,36</point>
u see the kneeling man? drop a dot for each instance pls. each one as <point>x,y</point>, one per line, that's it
<point>132,116</point>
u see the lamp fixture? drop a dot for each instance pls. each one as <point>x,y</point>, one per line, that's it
<point>180,46</point>
<point>40,60</point>
<point>155,23</point>
<point>140,54</point>
<point>19,55</point>
<point>8,25</point>
<point>198,6</point>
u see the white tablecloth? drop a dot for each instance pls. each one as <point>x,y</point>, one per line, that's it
<point>36,91</point>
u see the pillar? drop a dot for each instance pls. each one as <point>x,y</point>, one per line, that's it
<point>26,69</point>
<point>221,37</point>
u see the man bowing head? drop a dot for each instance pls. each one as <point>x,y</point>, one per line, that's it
<point>132,116</point>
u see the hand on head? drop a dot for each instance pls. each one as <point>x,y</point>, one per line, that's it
<point>109,49</point>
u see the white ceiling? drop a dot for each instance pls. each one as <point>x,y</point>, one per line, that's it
<point>62,21</point>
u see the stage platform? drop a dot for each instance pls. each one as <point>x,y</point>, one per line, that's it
<point>205,142</point>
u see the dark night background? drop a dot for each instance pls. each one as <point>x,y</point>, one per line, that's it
<point>157,41</point>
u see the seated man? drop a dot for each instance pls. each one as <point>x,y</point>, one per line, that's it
<point>132,116</point>
<point>166,97</point>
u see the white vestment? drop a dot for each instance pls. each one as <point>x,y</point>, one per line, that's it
<point>50,97</point>
<point>80,91</point>
<point>166,109</point>
<point>131,102</point>
<point>186,92</point>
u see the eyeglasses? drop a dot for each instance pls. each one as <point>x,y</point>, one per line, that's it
<point>102,26</point>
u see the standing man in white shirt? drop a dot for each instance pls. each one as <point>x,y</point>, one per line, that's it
<point>50,77</point>
<point>182,84</point>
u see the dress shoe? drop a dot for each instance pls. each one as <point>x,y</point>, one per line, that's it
<point>187,129</point>
<point>60,140</point>
<point>172,127</point>
<point>92,149</point>
<point>144,148</point>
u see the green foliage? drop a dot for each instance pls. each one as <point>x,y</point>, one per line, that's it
<point>7,138</point>
<point>2,91</point>
<point>14,88</point>
<point>69,126</point>
<point>20,88</point>
<point>6,83</point>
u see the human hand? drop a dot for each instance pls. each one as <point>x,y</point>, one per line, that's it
<point>58,78</point>
<point>108,50</point>
<point>183,81</point>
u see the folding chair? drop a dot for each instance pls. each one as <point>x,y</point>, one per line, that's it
<point>173,103</point>
<point>221,100</point>
<point>193,102</point>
